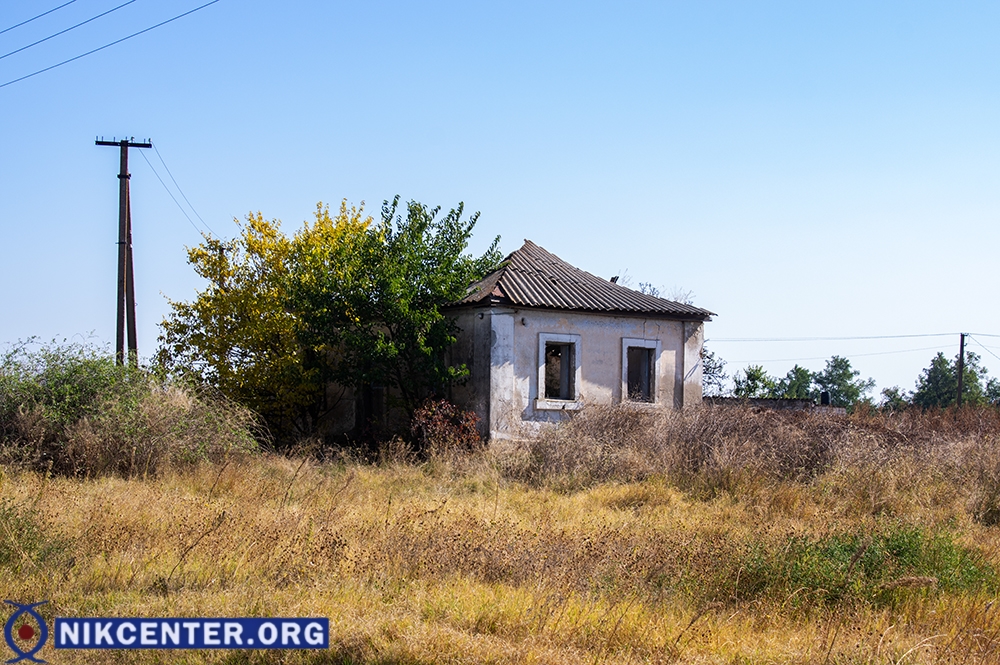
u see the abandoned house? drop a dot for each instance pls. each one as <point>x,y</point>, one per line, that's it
<point>542,338</point>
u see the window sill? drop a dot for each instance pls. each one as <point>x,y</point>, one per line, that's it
<point>557,405</point>
<point>638,404</point>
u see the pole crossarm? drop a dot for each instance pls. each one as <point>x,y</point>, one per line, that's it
<point>131,143</point>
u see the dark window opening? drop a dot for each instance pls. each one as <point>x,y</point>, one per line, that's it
<point>560,371</point>
<point>640,373</point>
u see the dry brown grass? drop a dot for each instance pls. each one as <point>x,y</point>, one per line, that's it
<point>698,538</point>
<point>727,447</point>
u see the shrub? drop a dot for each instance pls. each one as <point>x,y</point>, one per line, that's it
<point>598,444</point>
<point>623,443</point>
<point>440,427</point>
<point>60,385</point>
<point>71,410</point>
<point>712,450</point>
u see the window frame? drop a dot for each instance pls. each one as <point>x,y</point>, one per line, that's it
<point>541,402</point>
<point>657,347</point>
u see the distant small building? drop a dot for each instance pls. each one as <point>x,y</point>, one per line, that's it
<point>542,338</point>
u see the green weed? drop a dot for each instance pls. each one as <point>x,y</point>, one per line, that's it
<point>25,540</point>
<point>875,568</point>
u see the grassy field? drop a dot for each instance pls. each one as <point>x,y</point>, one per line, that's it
<point>705,537</point>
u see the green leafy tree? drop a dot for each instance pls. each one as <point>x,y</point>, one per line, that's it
<point>797,384</point>
<point>842,382</point>
<point>894,399</point>
<point>378,301</point>
<point>937,385</point>
<point>754,382</point>
<point>992,392</point>
<point>713,373</point>
<point>978,388</point>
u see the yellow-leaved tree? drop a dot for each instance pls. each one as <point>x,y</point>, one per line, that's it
<point>286,325</point>
<point>239,334</point>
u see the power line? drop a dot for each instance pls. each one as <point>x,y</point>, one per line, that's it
<point>984,346</point>
<point>181,190</point>
<point>170,193</point>
<point>823,339</point>
<point>853,355</point>
<point>35,17</point>
<point>101,48</point>
<point>62,32</point>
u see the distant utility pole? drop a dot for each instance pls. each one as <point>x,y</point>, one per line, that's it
<point>126,282</point>
<point>961,364</point>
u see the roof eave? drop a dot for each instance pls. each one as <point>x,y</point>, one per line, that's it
<point>504,302</point>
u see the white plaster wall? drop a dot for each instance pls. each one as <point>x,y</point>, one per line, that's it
<point>504,398</point>
<point>694,341</point>
<point>678,367</point>
<point>500,346</point>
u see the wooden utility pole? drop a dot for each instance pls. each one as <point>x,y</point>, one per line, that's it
<point>961,364</point>
<point>126,280</point>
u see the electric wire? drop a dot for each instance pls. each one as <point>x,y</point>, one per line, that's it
<point>36,17</point>
<point>190,221</point>
<point>155,149</point>
<point>63,32</point>
<point>824,339</point>
<point>983,345</point>
<point>852,355</point>
<point>858,337</point>
<point>101,48</point>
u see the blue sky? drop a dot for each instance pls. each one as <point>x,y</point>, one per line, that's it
<point>806,169</point>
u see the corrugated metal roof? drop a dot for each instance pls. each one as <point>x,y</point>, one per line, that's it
<point>533,277</point>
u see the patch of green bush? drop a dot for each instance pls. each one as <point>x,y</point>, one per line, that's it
<point>62,384</point>
<point>70,409</point>
<point>876,567</point>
